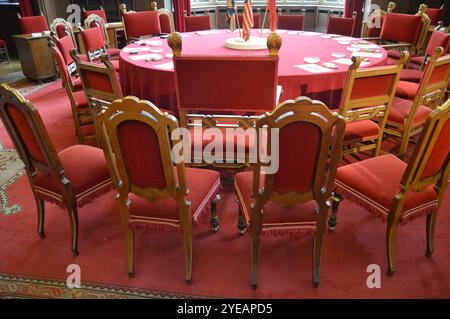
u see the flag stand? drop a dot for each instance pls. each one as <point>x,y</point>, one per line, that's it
<point>265,18</point>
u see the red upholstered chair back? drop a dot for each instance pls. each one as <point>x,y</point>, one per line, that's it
<point>62,66</point>
<point>28,133</point>
<point>148,171</point>
<point>438,39</point>
<point>166,23</point>
<point>197,23</point>
<point>436,76</point>
<point>246,83</point>
<point>291,22</point>
<point>339,25</point>
<point>256,20</point>
<point>402,28</point>
<point>66,46</point>
<point>94,42</point>
<point>310,137</point>
<point>34,24</point>
<point>101,13</point>
<point>141,24</point>
<point>435,15</point>
<point>431,158</point>
<point>61,31</point>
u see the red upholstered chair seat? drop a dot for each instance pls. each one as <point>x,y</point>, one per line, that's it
<point>203,187</point>
<point>358,130</point>
<point>416,62</point>
<point>373,183</point>
<point>81,99</point>
<point>411,75</point>
<point>394,54</point>
<point>197,23</point>
<point>113,53</point>
<point>34,24</point>
<point>342,26</point>
<point>407,90</point>
<point>401,108</point>
<point>291,22</point>
<point>85,167</point>
<point>301,217</point>
<point>2,43</point>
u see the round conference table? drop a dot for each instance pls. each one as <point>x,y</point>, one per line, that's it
<point>155,81</point>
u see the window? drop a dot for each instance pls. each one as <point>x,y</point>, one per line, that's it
<point>263,2</point>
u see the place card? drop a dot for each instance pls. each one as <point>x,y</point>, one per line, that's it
<point>310,34</point>
<point>135,50</point>
<point>368,54</point>
<point>313,68</point>
<point>164,66</point>
<point>348,62</point>
<point>156,57</point>
<point>149,42</point>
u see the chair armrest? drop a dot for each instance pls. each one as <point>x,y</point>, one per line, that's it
<point>375,40</point>
<point>396,46</point>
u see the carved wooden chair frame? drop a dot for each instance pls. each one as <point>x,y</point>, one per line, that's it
<point>133,109</point>
<point>170,14</point>
<point>214,120</point>
<point>93,18</point>
<point>332,127</point>
<point>356,110</point>
<point>429,95</point>
<point>67,26</point>
<point>51,165</point>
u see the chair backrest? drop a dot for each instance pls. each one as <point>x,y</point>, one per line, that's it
<point>435,79</point>
<point>372,27</point>
<point>94,42</point>
<point>101,13</point>
<point>256,20</point>
<point>438,39</point>
<point>307,166</point>
<point>400,27</point>
<point>197,23</point>
<point>369,92</point>
<point>95,21</point>
<point>33,24</point>
<point>141,24</point>
<point>166,21</point>
<point>291,22</point>
<point>62,28</point>
<point>65,70</point>
<point>28,133</point>
<point>435,14</point>
<point>66,45</point>
<point>147,172</point>
<point>100,82</point>
<point>340,25</point>
<point>424,32</point>
<point>430,163</point>
<point>246,83</point>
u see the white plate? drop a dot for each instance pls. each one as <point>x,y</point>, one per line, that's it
<point>311,59</point>
<point>338,55</point>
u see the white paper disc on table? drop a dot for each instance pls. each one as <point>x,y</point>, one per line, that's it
<point>255,43</point>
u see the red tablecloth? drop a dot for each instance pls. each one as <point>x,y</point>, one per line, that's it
<point>142,79</point>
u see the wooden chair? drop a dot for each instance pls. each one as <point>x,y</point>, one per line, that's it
<point>95,21</point>
<point>197,23</point>
<point>166,21</point>
<point>61,28</point>
<point>340,25</point>
<point>292,21</point>
<point>100,13</point>
<point>35,24</point>
<point>80,108</point>
<point>154,193</point>
<point>366,102</point>
<point>402,32</point>
<point>372,27</point>
<point>435,15</point>
<point>201,100</point>
<point>70,179</point>
<point>142,24</point>
<point>400,192</point>
<point>292,201</point>
<point>4,55</point>
<point>407,116</point>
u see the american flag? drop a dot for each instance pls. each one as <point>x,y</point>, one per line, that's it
<point>248,22</point>
<point>272,7</point>
<point>231,10</point>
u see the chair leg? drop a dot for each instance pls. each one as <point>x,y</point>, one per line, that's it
<point>130,252</point>
<point>242,226</point>
<point>336,200</point>
<point>41,217</point>
<point>403,146</point>
<point>215,223</point>
<point>256,241</point>
<point>73,218</point>
<point>391,235</point>
<point>431,223</point>
<point>187,236</point>
<point>318,245</point>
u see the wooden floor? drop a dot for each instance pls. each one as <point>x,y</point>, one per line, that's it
<point>11,73</point>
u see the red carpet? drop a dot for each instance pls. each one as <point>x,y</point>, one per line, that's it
<point>221,261</point>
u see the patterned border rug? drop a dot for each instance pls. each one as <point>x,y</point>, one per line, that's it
<point>18,287</point>
<point>11,169</point>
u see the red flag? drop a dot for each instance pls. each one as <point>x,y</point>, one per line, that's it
<point>272,7</point>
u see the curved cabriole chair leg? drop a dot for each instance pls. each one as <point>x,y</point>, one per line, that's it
<point>318,244</point>
<point>336,201</point>
<point>390,245</point>
<point>215,222</point>
<point>242,226</point>
<point>73,217</point>
<point>41,217</point>
<point>430,227</point>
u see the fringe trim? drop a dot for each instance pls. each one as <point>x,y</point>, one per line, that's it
<point>155,227</point>
<point>406,218</point>
<point>205,208</point>
<point>293,233</point>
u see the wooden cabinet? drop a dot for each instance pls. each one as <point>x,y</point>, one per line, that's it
<point>35,57</point>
